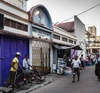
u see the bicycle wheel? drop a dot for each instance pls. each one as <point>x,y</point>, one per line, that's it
<point>43,76</point>
<point>40,77</point>
<point>33,77</point>
<point>24,81</point>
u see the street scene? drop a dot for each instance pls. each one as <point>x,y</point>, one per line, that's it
<point>63,84</point>
<point>49,46</point>
<point>56,83</point>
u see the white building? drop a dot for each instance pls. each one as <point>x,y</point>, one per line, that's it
<point>14,34</point>
<point>76,28</point>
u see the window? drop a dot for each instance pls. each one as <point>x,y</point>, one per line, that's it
<point>64,39</point>
<point>7,22</point>
<point>70,41</point>
<point>19,26</point>
<point>56,37</point>
<point>25,27</point>
<point>74,42</point>
<point>14,24</point>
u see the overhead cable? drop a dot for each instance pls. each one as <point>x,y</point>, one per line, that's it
<point>81,12</point>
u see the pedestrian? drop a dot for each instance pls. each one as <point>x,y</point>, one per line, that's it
<point>13,70</point>
<point>68,61</point>
<point>26,62</point>
<point>82,61</point>
<point>76,64</point>
<point>97,67</point>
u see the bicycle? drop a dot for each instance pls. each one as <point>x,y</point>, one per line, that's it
<point>37,75</point>
<point>24,80</point>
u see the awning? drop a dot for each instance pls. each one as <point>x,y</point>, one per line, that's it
<point>77,47</point>
<point>60,47</point>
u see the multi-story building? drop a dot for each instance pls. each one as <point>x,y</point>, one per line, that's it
<point>93,41</point>
<point>14,34</point>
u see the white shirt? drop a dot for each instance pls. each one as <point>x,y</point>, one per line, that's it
<point>25,63</point>
<point>76,63</point>
<point>98,59</point>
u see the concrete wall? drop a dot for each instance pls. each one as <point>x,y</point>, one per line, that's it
<point>13,10</point>
<point>65,34</point>
<point>80,33</point>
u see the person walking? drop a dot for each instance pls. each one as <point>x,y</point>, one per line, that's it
<point>68,61</point>
<point>97,67</point>
<point>76,64</point>
<point>82,61</point>
<point>13,70</point>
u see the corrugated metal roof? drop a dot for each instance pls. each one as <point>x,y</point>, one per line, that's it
<point>68,26</point>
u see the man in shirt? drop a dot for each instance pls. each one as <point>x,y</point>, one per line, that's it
<point>76,68</point>
<point>14,67</point>
<point>26,63</point>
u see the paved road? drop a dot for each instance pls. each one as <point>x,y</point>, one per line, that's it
<point>87,84</point>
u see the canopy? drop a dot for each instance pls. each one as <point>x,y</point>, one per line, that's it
<point>77,47</point>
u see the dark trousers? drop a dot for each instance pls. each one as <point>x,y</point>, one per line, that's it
<point>11,79</point>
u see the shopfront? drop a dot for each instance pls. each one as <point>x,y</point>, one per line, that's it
<point>60,54</point>
<point>41,31</point>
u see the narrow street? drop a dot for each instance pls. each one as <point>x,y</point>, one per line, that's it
<point>88,84</point>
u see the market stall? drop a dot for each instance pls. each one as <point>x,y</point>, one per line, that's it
<point>61,62</point>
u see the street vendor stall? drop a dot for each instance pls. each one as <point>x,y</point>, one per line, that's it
<point>61,61</point>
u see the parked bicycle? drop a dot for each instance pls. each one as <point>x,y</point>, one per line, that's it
<point>38,76</point>
<point>24,80</point>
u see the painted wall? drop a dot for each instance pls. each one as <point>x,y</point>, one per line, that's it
<point>11,9</point>
<point>63,33</point>
<point>9,47</point>
<point>80,33</point>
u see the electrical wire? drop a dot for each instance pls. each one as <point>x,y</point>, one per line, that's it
<point>81,12</point>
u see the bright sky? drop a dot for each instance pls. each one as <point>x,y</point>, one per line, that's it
<point>61,10</point>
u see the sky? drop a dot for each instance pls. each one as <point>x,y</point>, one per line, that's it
<point>61,10</point>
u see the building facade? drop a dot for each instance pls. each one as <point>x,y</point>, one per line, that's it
<point>62,40</point>
<point>76,28</point>
<point>41,31</point>
<point>32,32</point>
<point>14,36</point>
<point>93,41</point>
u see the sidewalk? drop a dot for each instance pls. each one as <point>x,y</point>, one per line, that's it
<point>49,79</point>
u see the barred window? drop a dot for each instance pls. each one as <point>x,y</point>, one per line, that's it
<point>7,22</point>
<point>19,26</point>
<point>56,37</point>
<point>13,24</point>
<point>25,27</point>
<point>64,39</point>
